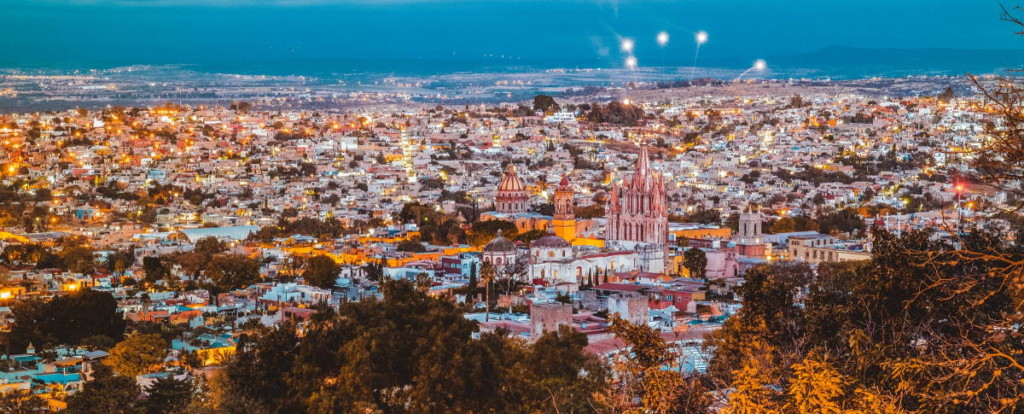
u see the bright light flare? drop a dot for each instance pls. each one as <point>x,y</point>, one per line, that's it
<point>760,64</point>
<point>662,38</point>
<point>631,62</point>
<point>627,45</point>
<point>701,37</point>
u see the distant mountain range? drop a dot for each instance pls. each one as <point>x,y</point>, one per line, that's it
<point>853,62</point>
<point>837,62</point>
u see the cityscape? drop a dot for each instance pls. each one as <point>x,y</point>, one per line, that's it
<point>664,227</point>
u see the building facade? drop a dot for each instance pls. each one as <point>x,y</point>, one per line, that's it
<point>564,221</point>
<point>512,197</point>
<point>636,217</point>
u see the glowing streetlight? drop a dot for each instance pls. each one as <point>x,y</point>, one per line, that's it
<point>627,45</point>
<point>701,38</point>
<point>759,65</point>
<point>662,38</point>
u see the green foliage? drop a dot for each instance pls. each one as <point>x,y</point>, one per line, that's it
<point>19,402</point>
<point>545,103</point>
<point>232,271</point>
<point>530,236</point>
<point>615,112</point>
<point>696,261</point>
<point>704,216</point>
<point>209,246</point>
<point>648,375</point>
<point>67,319</point>
<point>411,245</point>
<point>79,259</point>
<point>321,271</point>
<point>923,326</point>
<point>482,232</point>
<point>409,353</point>
<point>168,395</point>
<point>845,221</point>
<point>589,212</point>
<point>106,393</point>
<point>154,270</point>
<point>137,355</point>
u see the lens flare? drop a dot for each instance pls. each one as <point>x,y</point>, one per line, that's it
<point>662,38</point>
<point>626,45</point>
<point>631,62</point>
<point>702,37</point>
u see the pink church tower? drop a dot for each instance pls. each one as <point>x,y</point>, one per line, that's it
<point>636,217</point>
<point>638,207</point>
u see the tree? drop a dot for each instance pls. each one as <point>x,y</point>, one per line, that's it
<point>118,261</point>
<point>154,270</point>
<point>321,271</point>
<point>696,261</point>
<point>648,375</point>
<point>106,393</point>
<point>471,286</point>
<point>209,246</point>
<point>783,225</point>
<point>407,353</point>
<point>816,387</point>
<point>167,395</point>
<point>18,402</point>
<point>946,95</point>
<point>374,269</point>
<point>414,246</point>
<point>232,271</point>
<point>482,232</point>
<point>705,216</point>
<point>137,355</point>
<point>545,103</point>
<point>67,319</point>
<point>79,259</point>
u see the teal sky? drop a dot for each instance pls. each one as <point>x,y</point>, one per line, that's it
<point>93,33</point>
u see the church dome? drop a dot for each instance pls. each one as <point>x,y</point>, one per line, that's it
<point>511,181</point>
<point>499,245</point>
<point>550,241</point>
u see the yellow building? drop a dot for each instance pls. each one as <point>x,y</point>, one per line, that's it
<point>564,222</point>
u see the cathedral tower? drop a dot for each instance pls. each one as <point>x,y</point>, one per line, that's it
<point>749,240</point>
<point>638,207</point>
<point>636,217</point>
<point>565,219</point>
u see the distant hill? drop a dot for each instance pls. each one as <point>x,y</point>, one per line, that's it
<point>853,62</point>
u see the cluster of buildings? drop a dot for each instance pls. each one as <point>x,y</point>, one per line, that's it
<point>613,211</point>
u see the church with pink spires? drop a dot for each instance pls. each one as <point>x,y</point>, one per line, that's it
<point>635,231</point>
<point>636,217</point>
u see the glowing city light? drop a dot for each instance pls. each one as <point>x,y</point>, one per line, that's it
<point>662,38</point>
<point>631,62</point>
<point>759,65</point>
<point>701,37</point>
<point>627,45</point>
